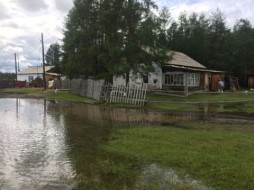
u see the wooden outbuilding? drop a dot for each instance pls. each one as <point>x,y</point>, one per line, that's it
<point>251,81</point>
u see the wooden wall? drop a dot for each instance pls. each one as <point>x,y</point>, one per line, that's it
<point>251,81</point>
<point>214,80</point>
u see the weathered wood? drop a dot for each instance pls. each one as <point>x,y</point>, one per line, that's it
<point>128,94</point>
<point>102,91</point>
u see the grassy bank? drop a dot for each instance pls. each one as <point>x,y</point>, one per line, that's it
<point>220,156</point>
<point>22,90</point>
<point>218,102</point>
<point>48,94</point>
<point>191,103</point>
<point>204,97</point>
<point>67,96</point>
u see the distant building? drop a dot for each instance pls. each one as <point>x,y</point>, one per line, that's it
<point>33,72</point>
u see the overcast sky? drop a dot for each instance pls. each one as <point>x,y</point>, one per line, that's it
<point>23,21</point>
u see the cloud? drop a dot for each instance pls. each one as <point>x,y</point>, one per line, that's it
<point>63,5</point>
<point>22,22</point>
<point>3,13</point>
<point>32,5</point>
<point>28,47</point>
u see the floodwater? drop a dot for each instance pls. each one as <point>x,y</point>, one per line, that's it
<point>54,145</point>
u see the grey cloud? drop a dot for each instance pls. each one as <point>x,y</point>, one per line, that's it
<point>6,61</point>
<point>11,25</point>
<point>30,50</point>
<point>63,6</point>
<point>32,5</point>
<point>3,13</point>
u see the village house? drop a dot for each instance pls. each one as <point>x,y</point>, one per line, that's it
<point>180,74</point>
<point>32,72</point>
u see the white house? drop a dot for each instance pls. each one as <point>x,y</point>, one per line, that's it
<point>181,73</point>
<point>33,72</point>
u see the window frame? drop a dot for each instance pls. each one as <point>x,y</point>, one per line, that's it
<point>178,79</point>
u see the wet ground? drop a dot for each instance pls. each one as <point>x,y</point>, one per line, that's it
<point>53,145</point>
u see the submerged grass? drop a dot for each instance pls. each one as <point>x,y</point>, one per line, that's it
<point>201,97</point>
<point>215,102</point>
<point>221,156</point>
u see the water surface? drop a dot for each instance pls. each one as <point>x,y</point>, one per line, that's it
<point>54,145</point>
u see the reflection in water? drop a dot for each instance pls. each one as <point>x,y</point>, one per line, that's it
<point>32,147</point>
<point>122,117</point>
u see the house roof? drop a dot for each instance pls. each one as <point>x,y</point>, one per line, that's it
<point>180,59</point>
<point>35,70</point>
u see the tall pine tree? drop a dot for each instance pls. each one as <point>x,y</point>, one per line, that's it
<point>111,37</point>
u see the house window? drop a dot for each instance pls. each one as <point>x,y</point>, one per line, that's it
<point>193,79</point>
<point>177,79</point>
<point>174,79</point>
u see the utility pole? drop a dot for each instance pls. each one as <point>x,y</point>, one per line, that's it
<point>18,62</point>
<point>15,57</point>
<point>43,62</point>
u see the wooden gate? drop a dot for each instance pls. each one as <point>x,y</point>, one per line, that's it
<point>128,94</point>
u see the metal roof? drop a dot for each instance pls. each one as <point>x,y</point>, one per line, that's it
<point>35,70</point>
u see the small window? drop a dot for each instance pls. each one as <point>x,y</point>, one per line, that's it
<point>193,79</point>
<point>174,79</point>
<point>30,78</point>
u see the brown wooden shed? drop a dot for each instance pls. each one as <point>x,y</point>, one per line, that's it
<point>251,81</point>
<point>214,77</point>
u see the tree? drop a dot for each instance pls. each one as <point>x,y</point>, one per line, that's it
<point>219,48</point>
<point>110,37</point>
<point>81,39</point>
<point>243,50</point>
<point>190,35</point>
<point>53,57</point>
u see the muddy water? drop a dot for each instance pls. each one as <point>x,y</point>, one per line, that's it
<point>55,145</point>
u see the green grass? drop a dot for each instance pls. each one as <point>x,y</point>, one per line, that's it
<point>49,94</point>
<point>200,97</point>
<point>162,102</point>
<point>221,156</point>
<point>22,90</point>
<point>226,102</point>
<point>68,96</point>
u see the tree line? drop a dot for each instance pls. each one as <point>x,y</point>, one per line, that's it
<point>7,76</point>
<point>103,38</point>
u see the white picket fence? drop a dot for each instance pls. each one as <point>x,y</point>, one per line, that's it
<point>128,94</point>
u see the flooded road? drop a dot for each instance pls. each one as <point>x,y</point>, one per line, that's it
<point>53,145</point>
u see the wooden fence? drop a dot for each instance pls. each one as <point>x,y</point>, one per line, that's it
<point>89,88</point>
<point>104,92</point>
<point>128,94</point>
